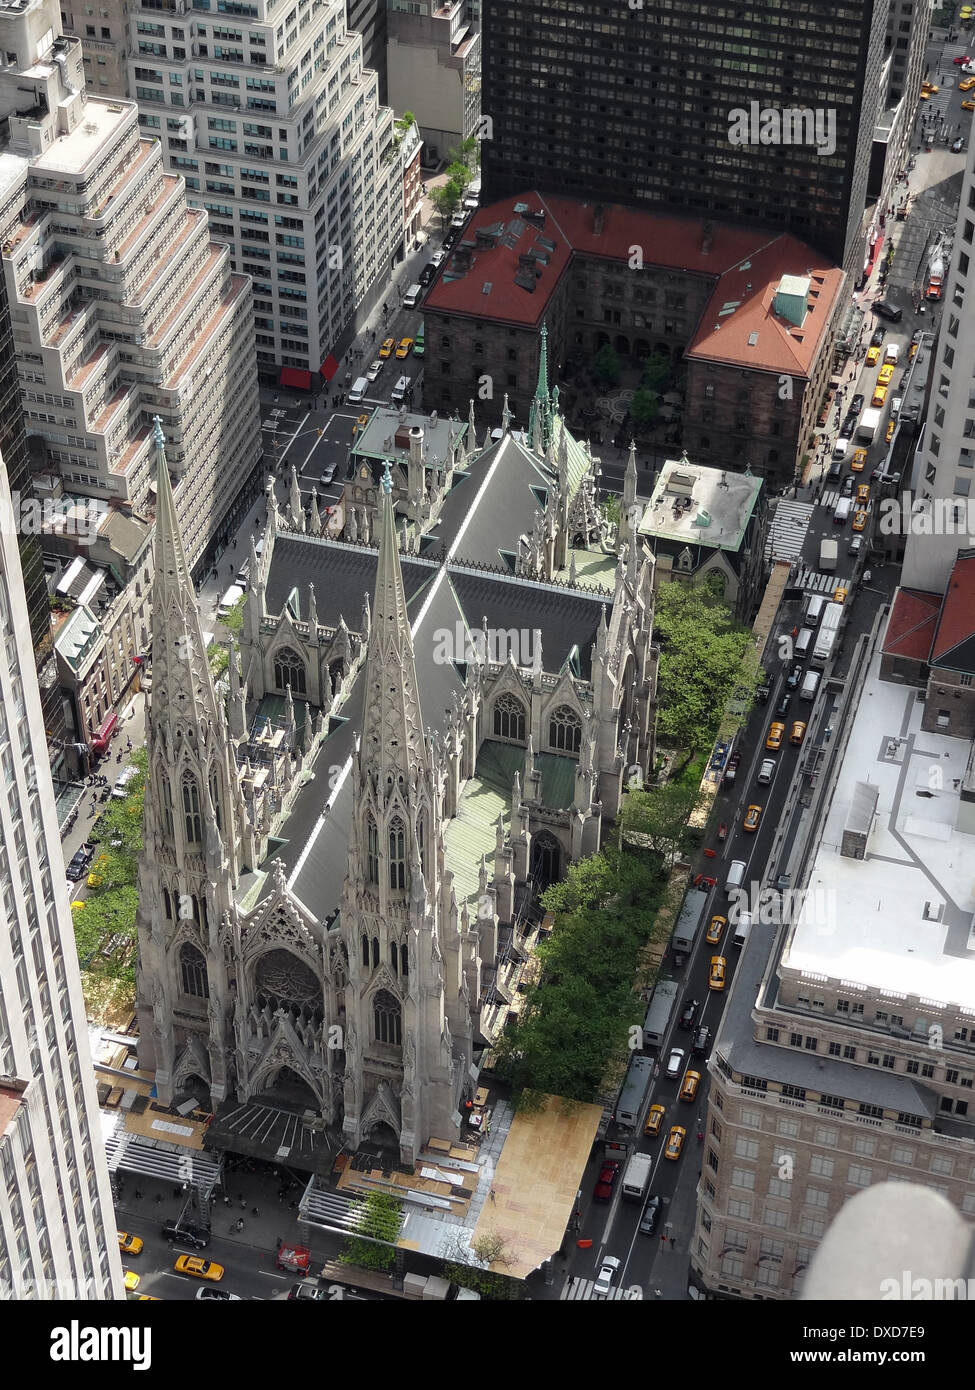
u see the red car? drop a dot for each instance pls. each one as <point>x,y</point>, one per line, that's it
<point>958,61</point>
<point>608,1174</point>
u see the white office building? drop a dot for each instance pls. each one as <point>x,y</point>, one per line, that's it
<point>267,111</point>
<point>122,306</point>
<point>57,1228</point>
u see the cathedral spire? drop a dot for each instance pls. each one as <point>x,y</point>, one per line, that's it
<point>540,411</point>
<point>392,730</point>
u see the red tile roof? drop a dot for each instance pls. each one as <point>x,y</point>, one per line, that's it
<point>745,263</point>
<point>957,622</point>
<point>911,625</point>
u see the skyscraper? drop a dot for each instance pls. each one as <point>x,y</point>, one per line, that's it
<point>635,106</point>
<point>56,1223</point>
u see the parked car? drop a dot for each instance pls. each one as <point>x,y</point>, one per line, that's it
<point>732,768</point>
<point>307,1292</point>
<point>856,405</point>
<point>608,1173</point>
<point>219,1295</point>
<point>187,1234</point>
<point>873,354</point>
<point>848,426</point>
<point>80,861</point>
<point>762,693</point>
<point>651,1215</point>
<point>604,1279</point>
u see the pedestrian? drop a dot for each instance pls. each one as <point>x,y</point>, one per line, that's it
<point>254,1211</point>
<point>243,1204</point>
<point>663,1242</point>
<point>572,1280</point>
<point>658,1293</point>
<point>138,1194</point>
<point>226,1199</point>
<point>158,1198</point>
<point>673,1243</point>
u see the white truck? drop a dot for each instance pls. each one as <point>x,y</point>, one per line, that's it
<point>869,425</point>
<point>828,554</point>
<point>636,1177</point>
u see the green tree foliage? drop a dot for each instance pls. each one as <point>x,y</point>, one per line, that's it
<point>606,365</point>
<point>656,370</point>
<point>378,1221</point>
<point>702,649</point>
<point>110,907</point>
<point>446,200</point>
<point>489,1248</point>
<point>656,817</point>
<point>577,1016</point>
<point>610,508</point>
<point>645,406</point>
<point>467,153</point>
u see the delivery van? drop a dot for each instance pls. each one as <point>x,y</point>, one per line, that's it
<point>736,872</point>
<point>358,390</point>
<point>412,296</point>
<point>814,611</point>
<point>803,643</point>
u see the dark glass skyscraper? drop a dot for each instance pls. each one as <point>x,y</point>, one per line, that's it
<point>634,103</point>
<point>368,18</point>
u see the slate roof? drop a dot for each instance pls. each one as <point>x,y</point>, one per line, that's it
<point>911,625</point>
<point>953,648</point>
<point>566,618</point>
<point>342,575</point>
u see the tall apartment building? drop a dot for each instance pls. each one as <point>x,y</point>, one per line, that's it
<point>368,19</point>
<point>846,1053</point>
<point>635,106</point>
<point>122,306</point>
<point>57,1228</point>
<point>943,479</point>
<point>268,112</point>
<point>907,37</point>
<point>433,60</point>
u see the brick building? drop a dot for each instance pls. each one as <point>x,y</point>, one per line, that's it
<point>752,317</point>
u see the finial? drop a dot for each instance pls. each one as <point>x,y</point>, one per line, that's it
<point>387,478</point>
<point>159,439</point>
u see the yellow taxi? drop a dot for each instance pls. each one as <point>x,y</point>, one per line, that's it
<point>859,460</point>
<point>362,420</point>
<point>675,1142</point>
<point>925,96</point>
<point>878,397</point>
<point>891,426</point>
<point>716,973</point>
<point>886,374</point>
<point>405,344</point>
<point>873,355</point>
<point>149,1298</point>
<point>798,733</point>
<point>198,1268</point>
<point>966,84</point>
<point>774,740</point>
<point>930,87</point>
<point>132,1280</point>
<point>913,352</point>
<point>968,106</point>
<point>863,494</point>
<point>859,521</point>
<point>840,594</point>
<point>129,1245</point>
<point>387,348</point>
<point>752,816</point>
<point>692,1079</point>
<point>654,1120</point>
<point>713,935</point>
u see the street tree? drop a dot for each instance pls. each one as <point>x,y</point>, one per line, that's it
<point>656,817</point>
<point>656,370</point>
<point>606,365</point>
<point>446,200</point>
<point>645,406</point>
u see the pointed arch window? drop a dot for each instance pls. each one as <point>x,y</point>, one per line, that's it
<point>167,799</point>
<point>404,961</point>
<point>289,669</point>
<point>365,950</point>
<point>192,818</point>
<point>372,851</point>
<point>421,847</point>
<point>509,717</point>
<point>375,950</point>
<point>387,1019</point>
<point>394,957</point>
<point>565,730</point>
<point>397,854</point>
<point>216,798</point>
<point>167,904</point>
<point>193,972</point>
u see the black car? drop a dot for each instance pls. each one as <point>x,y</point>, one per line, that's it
<point>848,426</point>
<point>878,338</point>
<point>702,1041</point>
<point>690,1014</point>
<point>835,472</point>
<point>794,677</point>
<point>890,312</point>
<point>849,483</point>
<point>80,862</point>
<point>762,693</point>
<point>186,1234</point>
<point>651,1215</point>
<point>856,405</point>
<point>731,770</point>
<point>782,708</point>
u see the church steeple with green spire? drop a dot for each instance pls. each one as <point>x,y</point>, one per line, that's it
<point>542,405</point>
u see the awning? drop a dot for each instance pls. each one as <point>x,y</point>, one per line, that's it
<point>296,376</point>
<point>100,742</point>
<point>329,367</point>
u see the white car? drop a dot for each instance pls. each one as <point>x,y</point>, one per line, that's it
<point>604,1279</point>
<point>374,369</point>
<point>675,1062</point>
<point>766,772</point>
<point>217,1295</point>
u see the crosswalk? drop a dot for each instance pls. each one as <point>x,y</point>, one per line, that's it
<point>811,581</point>
<point>581,1290</point>
<point>787,531</point>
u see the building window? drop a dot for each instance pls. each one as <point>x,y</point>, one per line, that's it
<point>289,669</point>
<point>372,858</point>
<point>565,730</point>
<point>365,950</point>
<point>509,718</point>
<point>193,972</point>
<point>386,1019</point>
<point>397,855</point>
<point>191,811</point>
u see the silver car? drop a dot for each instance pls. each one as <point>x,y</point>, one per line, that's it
<point>675,1062</point>
<point>604,1279</point>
